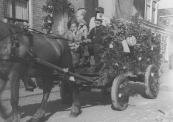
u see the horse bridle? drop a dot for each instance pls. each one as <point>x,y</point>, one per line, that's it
<point>14,44</point>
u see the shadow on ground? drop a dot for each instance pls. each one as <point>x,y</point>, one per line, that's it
<point>88,99</point>
<point>137,89</point>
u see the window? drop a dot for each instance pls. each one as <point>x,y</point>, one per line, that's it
<point>139,6</point>
<point>16,10</point>
<point>154,11</point>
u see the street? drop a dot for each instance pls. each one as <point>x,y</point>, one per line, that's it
<point>96,107</point>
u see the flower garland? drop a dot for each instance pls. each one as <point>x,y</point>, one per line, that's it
<point>50,7</point>
<point>145,52</point>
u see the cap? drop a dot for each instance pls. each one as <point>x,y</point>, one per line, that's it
<point>99,9</point>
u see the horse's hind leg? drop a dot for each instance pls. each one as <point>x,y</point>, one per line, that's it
<point>47,86</point>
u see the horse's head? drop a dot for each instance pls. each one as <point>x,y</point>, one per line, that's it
<point>10,45</point>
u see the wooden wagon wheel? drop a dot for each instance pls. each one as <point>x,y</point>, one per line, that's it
<point>119,93</point>
<point>65,93</point>
<point>152,81</point>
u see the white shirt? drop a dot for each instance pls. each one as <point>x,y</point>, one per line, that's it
<point>105,22</point>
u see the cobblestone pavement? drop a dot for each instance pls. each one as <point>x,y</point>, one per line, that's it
<point>96,107</point>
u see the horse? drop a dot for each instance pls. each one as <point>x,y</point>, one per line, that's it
<point>17,52</point>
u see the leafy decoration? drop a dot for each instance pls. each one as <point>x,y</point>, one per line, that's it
<point>55,5</point>
<point>58,5</point>
<point>147,50</point>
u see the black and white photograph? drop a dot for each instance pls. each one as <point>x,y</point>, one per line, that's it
<point>86,60</point>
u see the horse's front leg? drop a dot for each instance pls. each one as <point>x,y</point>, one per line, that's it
<point>47,86</point>
<point>14,79</point>
<point>3,112</point>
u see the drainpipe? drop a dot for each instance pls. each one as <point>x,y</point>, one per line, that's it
<point>31,13</point>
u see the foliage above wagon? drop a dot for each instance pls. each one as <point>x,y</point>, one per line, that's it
<point>145,48</point>
<point>58,5</point>
<point>55,5</point>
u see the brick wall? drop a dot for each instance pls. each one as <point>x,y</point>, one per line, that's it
<point>38,14</point>
<point>1,9</point>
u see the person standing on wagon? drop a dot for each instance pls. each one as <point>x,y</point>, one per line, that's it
<point>82,24</point>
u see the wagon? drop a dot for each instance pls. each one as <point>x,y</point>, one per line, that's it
<point>119,85</point>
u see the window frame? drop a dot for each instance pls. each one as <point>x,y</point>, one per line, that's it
<point>154,8</point>
<point>13,18</point>
<point>148,10</point>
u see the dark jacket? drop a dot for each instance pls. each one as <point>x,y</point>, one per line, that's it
<point>96,34</point>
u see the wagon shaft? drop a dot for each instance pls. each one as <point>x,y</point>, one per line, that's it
<point>84,79</point>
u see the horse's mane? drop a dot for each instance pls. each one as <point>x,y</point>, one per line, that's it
<point>6,28</point>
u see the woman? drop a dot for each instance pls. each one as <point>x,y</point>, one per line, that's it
<point>84,30</point>
<point>74,36</point>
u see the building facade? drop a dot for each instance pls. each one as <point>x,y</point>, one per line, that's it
<point>165,20</point>
<point>31,11</point>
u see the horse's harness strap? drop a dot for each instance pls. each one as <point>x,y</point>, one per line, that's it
<point>14,45</point>
<point>15,59</point>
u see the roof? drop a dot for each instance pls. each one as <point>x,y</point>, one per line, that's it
<point>165,17</point>
<point>165,12</point>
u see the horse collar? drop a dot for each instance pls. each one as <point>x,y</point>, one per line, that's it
<point>14,45</point>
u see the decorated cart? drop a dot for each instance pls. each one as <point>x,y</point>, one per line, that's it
<point>129,52</point>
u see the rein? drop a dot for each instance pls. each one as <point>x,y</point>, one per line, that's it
<point>15,44</point>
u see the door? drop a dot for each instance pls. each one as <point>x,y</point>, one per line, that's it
<point>90,6</point>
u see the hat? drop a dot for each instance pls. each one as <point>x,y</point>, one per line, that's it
<point>99,10</point>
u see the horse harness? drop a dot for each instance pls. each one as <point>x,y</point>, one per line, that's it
<point>15,45</point>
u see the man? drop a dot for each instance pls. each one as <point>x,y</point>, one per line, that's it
<point>105,21</point>
<point>95,37</point>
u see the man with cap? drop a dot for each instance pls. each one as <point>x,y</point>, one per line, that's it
<point>95,39</point>
<point>99,11</point>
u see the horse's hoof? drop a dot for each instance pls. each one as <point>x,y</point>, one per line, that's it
<point>12,119</point>
<point>73,114</point>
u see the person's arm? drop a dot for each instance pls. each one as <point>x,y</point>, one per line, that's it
<point>78,37</point>
<point>68,35</point>
<point>91,24</point>
<point>98,38</point>
<point>90,36</point>
<point>85,31</point>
